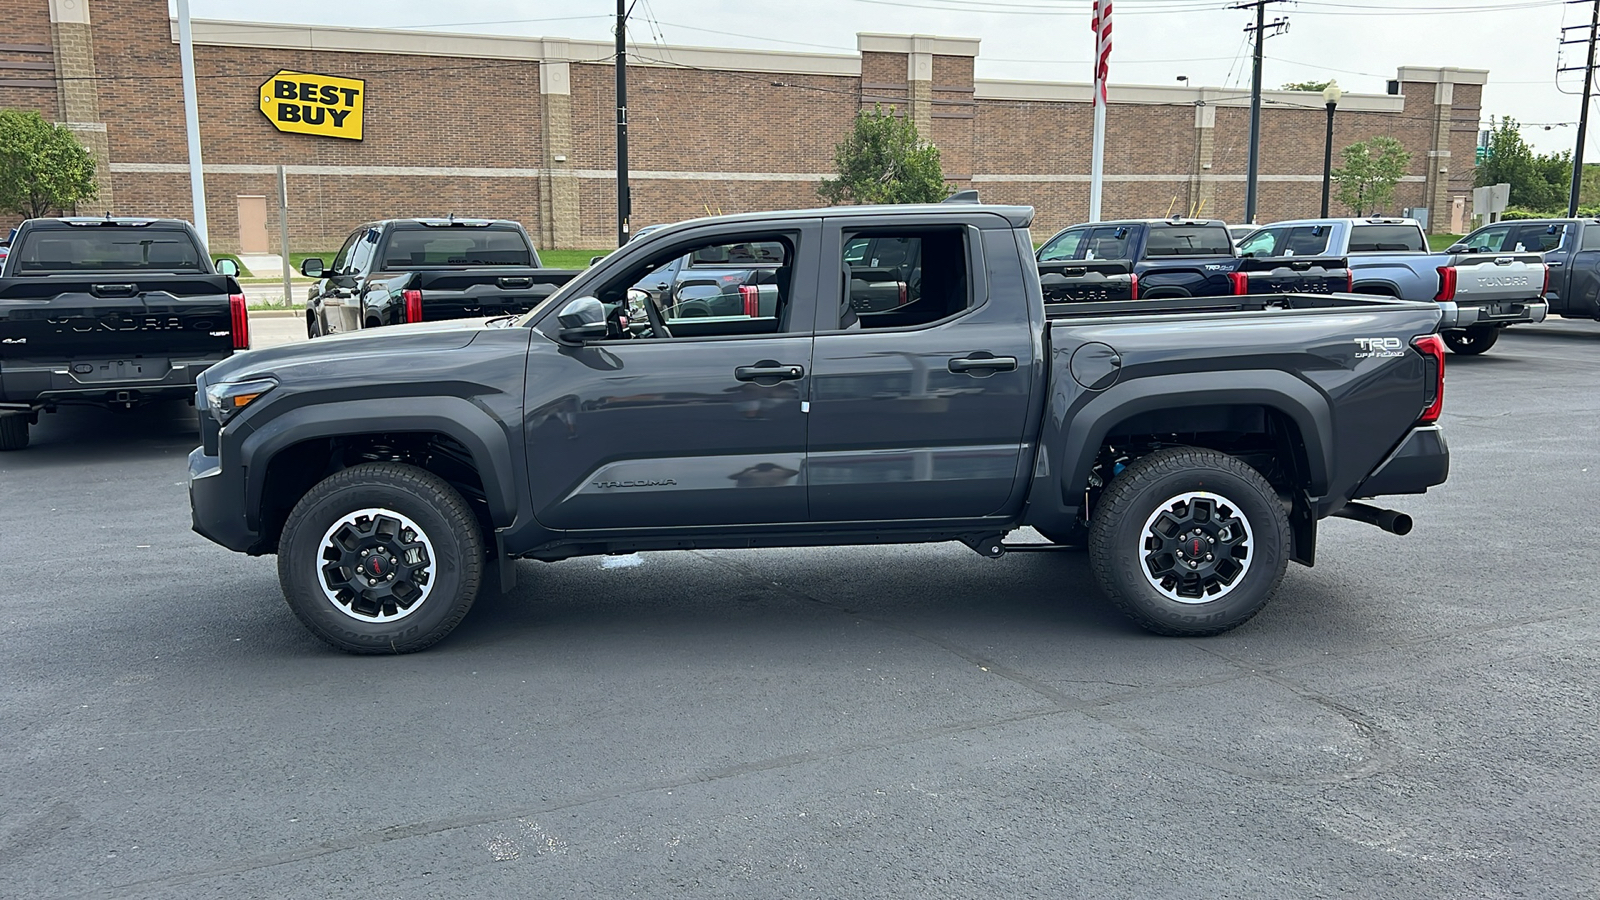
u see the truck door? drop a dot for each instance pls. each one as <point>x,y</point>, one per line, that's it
<point>919,408</point>
<point>1580,291</point>
<point>1549,239</point>
<point>679,421</point>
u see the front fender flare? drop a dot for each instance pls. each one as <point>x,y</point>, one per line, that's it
<point>483,436</point>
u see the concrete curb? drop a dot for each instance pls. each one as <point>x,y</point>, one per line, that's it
<point>276,313</point>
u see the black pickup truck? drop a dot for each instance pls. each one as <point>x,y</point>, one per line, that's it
<point>1166,258</point>
<point>1192,449</point>
<point>113,312</point>
<point>426,270</point>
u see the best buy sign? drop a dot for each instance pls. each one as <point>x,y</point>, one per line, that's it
<point>314,104</point>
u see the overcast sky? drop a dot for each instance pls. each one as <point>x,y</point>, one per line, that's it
<point>1358,42</point>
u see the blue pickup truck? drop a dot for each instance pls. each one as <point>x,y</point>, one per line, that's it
<point>1175,258</point>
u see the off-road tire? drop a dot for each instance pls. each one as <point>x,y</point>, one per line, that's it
<point>1125,548</point>
<point>13,432</point>
<point>445,535</point>
<point>1471,341</point>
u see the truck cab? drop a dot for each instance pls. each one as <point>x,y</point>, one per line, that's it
<point>1571,252</point>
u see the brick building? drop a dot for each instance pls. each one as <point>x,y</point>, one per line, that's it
<point>524,127</point>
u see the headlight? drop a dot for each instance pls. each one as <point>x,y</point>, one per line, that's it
<point>225,399</point>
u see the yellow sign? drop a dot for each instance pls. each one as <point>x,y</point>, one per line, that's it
<point>314,104</point>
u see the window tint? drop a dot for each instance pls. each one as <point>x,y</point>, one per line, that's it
<point>910,277</point>
<point>747,291</point>
<point>1188,240</point>
<point>1062,246</point>
<point>1537,238</point>
<point>456,247</point>
<point>1262,243</point>
<point>107,248</point>
<point>1108,242</point>
<point>1380,238</point>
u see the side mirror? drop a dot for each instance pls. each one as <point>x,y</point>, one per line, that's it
<point>311,267</point>
<point>1458,248</point>
<point>581,320</point>
<point>228,267</point>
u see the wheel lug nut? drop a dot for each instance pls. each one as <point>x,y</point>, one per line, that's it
<point>1208,557</point>
<point>1193,564</point>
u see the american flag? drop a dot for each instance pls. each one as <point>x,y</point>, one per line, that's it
<point>1101,25</point>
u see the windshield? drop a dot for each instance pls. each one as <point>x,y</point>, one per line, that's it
<point>106,248</point>
<point>452,247</point>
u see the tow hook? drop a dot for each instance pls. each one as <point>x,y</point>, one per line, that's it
<point>1387,519</point>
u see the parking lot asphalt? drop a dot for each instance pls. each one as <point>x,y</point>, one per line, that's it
<point>1414,717</point>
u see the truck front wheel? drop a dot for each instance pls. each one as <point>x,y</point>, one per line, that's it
<point>1471,341</point>
<point>381,558</point>
<point>1189,542</point>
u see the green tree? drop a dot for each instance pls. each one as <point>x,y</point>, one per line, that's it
<point>884,160</point>
<point>1307,85</point>
<point>43,167</point>
<point>1371,170</point>
<point>1539,182</point>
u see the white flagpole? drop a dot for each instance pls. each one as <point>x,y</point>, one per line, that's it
<point>191,118</point>
<point>1102,51</point>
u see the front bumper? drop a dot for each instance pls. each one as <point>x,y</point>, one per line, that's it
<point>1421,461</point>
<point>217,504</point>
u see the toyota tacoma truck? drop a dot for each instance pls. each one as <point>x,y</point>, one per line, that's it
<point>425,270</point>
<point>1571,252</point>
<point>1168,258</point>
<point>112,312</point>
<point>1191,449</point>
<point>1390,257</point>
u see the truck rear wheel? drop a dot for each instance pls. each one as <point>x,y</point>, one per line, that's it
<point>381,558</point>
<point>1189,542</point>
<point>1471,341</point>
<point>13,431</point>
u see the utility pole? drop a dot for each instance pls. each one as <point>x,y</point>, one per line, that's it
<point>1278,26</point>
<point>624,200</point>
<point>1583,114</point>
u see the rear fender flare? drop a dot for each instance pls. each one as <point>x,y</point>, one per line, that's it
<point>1303,404</point>
<point>482,435</point>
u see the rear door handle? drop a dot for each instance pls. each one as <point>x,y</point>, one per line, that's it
<point>983,365</point>
<point>769,372</point>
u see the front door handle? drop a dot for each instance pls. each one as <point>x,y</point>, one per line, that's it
<point>769,372</point>
<point>983,365</point>
<point>1555,263</point>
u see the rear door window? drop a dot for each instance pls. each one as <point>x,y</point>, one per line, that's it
<point>1537,238</point>
<point>1108,242</point>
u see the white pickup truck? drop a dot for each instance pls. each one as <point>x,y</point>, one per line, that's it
<point>1481,292</point>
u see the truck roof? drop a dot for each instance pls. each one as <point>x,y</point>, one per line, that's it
<point>1349,220</point>
<point>445,222</point>
<point>63,222</point>
<point>1017,216</point>
<point>1179,221</point>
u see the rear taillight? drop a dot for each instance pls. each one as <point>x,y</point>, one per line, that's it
<point>1349,281</point>
<point>1447,283</point>
<point>1133,287</point>
<point>904,293</point>
<point>1546,289</point>
<point>413,305</point>
<point>751,296</point>
<point>1241,283</point>
<point>1431,346</point>
<point>241,321</point>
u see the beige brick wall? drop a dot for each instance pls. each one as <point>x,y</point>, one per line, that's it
<point>439,113</point>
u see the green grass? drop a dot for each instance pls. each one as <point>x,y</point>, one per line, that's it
<point>1442,241</point>
<point>569,259</point>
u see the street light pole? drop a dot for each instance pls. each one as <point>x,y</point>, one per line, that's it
<point>1330,96</point>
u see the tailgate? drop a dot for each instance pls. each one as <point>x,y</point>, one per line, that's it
<point>1081,281</point>
<point>1294,275</point>
<point>474,293</point>
<point>1489,278</point>
<point>114,315</point>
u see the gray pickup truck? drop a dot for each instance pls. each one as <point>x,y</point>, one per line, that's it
<point>1390,257</point>
<point>1571,251</point>
<point>1192,448</point>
